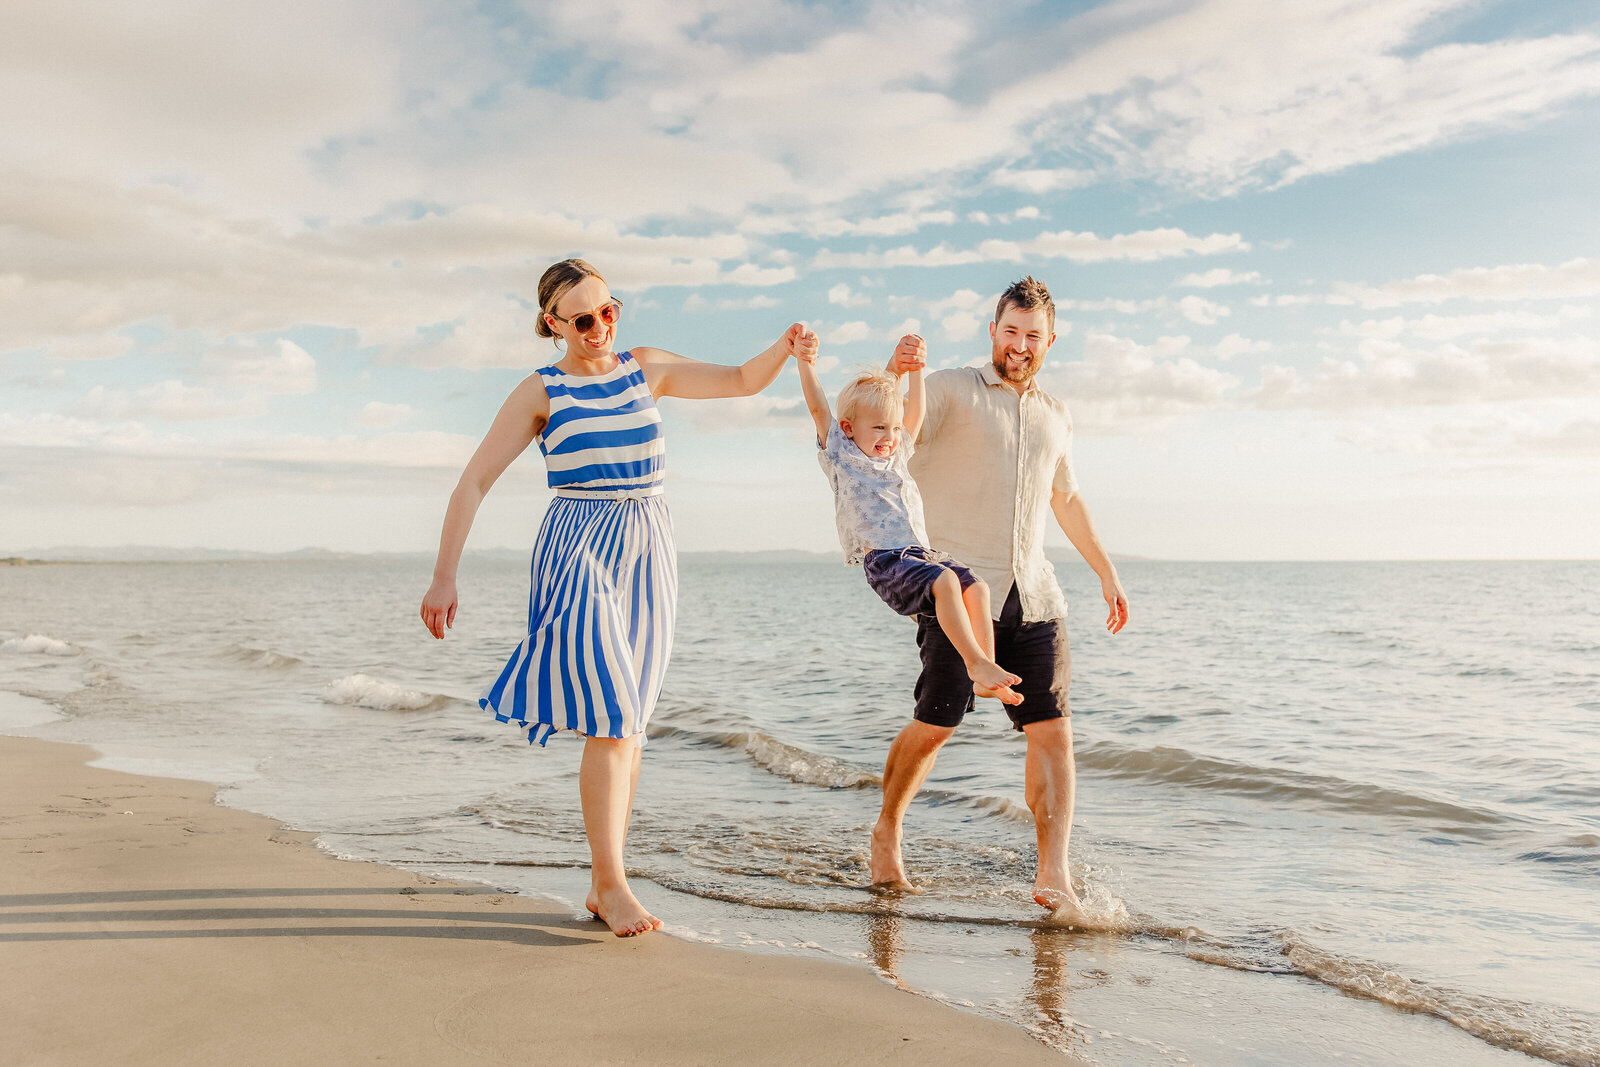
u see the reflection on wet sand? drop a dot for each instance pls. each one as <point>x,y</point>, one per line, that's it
<point>886,941</point>
<point>1047,992</point>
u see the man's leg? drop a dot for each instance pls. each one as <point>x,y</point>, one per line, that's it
<point>1050,786</point>
<point>910,759</point>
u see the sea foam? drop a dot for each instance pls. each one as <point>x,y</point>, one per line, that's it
<point>365,691</point>
<point>39,645</point>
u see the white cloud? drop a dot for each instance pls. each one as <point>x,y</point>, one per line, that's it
<point>1140,247</point>
<point>378,415</point>
<point>739,413</point>
<point>1389,374</point>
<point>282,368</point>
<point>1042,181</point>
<point>167,401</point>
<point>50,430</point>
<point>760,301</point>
<point>1120,385</point>
<point>960,326</point>
<point>1202,311</point>
<point>1121,307</point>
<point>842,296</point>
<point>1221,95</point>
<point>846,333</point>
<point>1517,434</point>
<point>1219,276</point>
<point>1449,327</point>
<point>1237,345</point>
<point>1576,278</point>
<point>894,225</point>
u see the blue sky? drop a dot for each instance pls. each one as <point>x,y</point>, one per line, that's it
<point>1327,272</point>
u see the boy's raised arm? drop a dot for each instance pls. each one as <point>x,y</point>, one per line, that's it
<point>816,399</point>
<point>912,421</point>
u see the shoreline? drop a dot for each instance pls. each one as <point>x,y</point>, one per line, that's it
<point>202,933</point>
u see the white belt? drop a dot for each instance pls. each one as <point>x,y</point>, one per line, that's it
<point>611,494</point>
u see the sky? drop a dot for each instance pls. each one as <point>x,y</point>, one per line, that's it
<point>1327,273</point>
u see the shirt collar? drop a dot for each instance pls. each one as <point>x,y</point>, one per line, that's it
<point>992,377</point>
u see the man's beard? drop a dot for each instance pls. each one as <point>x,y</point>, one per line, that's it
<point>1002,367</point>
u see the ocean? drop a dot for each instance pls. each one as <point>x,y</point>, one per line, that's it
<point>1333,811</point>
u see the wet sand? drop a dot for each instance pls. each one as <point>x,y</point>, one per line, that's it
<point>140,923</point>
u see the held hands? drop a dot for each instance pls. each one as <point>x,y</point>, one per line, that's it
<point>439,608</point>
<point>801,343</point>
<point>910,354</point>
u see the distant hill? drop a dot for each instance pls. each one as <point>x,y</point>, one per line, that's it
<point>162,554</point>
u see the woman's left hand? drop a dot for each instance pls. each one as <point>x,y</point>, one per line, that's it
<point>439,608</point>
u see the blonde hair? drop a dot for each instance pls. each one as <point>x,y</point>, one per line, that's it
<point>875,389</point>
<point>553,285</point>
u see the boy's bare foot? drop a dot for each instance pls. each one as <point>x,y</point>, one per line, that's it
<point>1003,693</point>
<point>888,873</point>
<point>990,675</point>
<point>620,909</point>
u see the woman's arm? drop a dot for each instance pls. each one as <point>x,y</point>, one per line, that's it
<point>816,399</point>
<point>521,417</point>
<point>670,374</point>
<point>912,421</point>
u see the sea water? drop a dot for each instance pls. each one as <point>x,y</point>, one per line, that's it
<point>1326,811</point>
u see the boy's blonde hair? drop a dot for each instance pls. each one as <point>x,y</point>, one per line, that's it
<point>875,390</point>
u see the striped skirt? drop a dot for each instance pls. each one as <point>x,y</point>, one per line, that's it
<point>600,619</point>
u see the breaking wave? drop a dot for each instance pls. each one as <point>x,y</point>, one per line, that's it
<point>797,764</point>
<point>260,658</point>
<point>365,691</point>
<point>1182,767</point>
<point>1560,1035</point>
<point>38,645</point>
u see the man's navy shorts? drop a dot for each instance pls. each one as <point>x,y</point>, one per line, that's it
<point>904,577</point>
<point>1034,651</point>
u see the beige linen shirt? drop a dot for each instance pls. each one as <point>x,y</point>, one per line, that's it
<point>987,461</point>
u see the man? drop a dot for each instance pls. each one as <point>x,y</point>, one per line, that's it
<point>993,458</point>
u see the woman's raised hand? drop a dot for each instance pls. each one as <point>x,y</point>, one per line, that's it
<point>439,608</point>
<point>801,343</point>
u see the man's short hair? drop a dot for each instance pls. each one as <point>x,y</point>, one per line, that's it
<point>1027,295</point>
<point>876,390</point>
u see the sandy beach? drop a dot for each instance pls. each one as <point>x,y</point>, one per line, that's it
<point>144,924</point>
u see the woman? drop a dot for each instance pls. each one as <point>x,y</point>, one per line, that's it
<point>601,608</point>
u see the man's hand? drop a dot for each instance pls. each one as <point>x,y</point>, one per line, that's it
<point>1117,601</point>
<point>909,355</point>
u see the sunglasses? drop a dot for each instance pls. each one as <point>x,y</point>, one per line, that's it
<point>608,313</point>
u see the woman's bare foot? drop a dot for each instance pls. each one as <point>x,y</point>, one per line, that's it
<point>888,874</point>
<point>619,909</point>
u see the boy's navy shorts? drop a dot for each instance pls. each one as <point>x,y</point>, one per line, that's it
<point>1034,651</point>
<point>904,577</point>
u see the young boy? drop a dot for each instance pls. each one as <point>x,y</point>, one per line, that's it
<point>879,514</point>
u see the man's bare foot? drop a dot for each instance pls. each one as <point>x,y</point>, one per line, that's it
<point>1063,903</point>
<point>620,909</point>
<point>888,874</point>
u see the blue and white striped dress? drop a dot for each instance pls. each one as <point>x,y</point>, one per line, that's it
<point>605,573</point>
